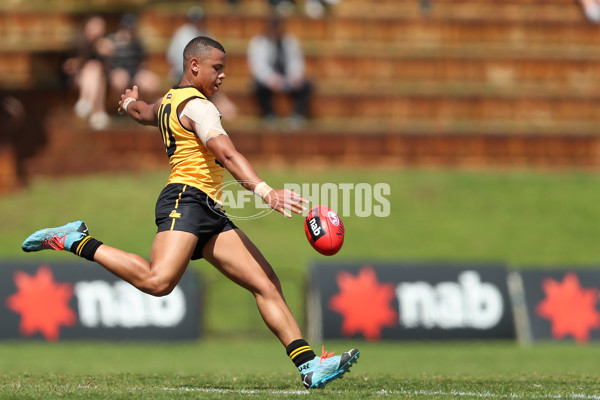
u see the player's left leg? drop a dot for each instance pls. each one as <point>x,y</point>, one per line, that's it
<point>233,254</point>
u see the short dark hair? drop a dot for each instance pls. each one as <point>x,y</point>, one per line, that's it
<point>200,47</point>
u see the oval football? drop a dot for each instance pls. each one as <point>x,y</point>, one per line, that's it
<point>324,230</point>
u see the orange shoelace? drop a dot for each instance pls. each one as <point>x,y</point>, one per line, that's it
<point>325,354</point>
<point>55,242</point>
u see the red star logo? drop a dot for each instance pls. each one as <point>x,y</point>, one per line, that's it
<point>364,304</point>
<point>570,308</point>
<point>42,303</point>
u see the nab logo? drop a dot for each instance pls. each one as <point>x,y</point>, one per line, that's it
<point>468,303</point>
<point>174,214</point>
<point>315,227</point>
<point>103,304</point>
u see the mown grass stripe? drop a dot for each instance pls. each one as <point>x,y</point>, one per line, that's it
<point>385,392</point>
<point>487,395</point>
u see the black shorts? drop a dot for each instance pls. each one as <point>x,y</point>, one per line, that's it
<point>185,208</point>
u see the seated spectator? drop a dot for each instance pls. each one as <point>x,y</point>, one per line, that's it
<point>276,64</point>
<point>86,69</point>
<point>195,26</point>
<point>127,62</point>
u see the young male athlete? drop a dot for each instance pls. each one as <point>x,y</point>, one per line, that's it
<point>191,224</point>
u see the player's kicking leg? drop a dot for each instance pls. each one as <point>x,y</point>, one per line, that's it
<point>170,255</point>
<point>234,255</point>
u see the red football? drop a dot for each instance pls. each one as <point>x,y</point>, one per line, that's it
<point>324,230</point>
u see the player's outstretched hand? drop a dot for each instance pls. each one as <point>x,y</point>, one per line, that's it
<point>286,201</point>
<point>133,92</point>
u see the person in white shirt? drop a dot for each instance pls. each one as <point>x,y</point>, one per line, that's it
<point>276,64</point>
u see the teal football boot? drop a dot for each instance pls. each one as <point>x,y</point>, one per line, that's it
<point>60,238</point>
<point>319,371</point>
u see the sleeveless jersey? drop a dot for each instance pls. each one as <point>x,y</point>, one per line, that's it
<point>191,162</point>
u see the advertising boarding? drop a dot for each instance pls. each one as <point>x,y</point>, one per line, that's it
<point>560,304</point>
<point>409,301</point>
<point>60,301</point>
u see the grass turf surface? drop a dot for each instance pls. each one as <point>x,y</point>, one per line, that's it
<point>220,369</point>
<point>521,218</point>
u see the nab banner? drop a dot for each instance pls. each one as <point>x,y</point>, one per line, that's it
<point>59,301</point>
<point>562,304</point>
<point>409,301</point>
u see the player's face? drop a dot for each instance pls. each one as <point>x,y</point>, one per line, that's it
<point>211,72</point>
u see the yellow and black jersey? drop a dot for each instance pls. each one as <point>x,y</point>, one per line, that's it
<point>191,162</point>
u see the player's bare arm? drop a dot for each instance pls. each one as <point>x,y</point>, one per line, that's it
<point>203,118</point>
<point>282,200</point>
<point>139,111</point>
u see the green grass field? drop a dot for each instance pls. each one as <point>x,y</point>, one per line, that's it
<point>219,369</point>
<point>522,218</point>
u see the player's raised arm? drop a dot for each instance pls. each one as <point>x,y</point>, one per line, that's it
<point>140,111</point>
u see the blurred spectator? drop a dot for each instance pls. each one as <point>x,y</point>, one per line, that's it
<point>591,8</point>
<point>86,70</point>
<point>276,63</point>
<point>127,62</point>
<point>195,26</point>
<point>426,7</point>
